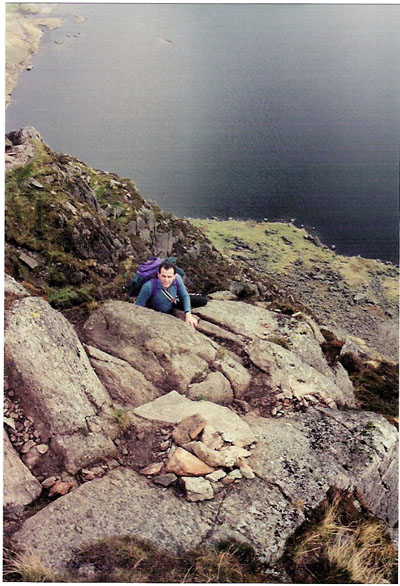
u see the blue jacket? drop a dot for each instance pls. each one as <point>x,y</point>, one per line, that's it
<point>159,301</point>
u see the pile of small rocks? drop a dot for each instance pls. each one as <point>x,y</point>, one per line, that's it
<point>290,402</point>
<point>199,459</point>
<point>23,436</point>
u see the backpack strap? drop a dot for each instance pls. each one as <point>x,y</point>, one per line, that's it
<point>153,286</point>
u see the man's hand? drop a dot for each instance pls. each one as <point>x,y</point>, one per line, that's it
<point>191,320</point>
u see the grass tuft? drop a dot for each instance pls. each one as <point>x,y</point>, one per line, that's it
<point>344,546</point>
<point>26,567</point>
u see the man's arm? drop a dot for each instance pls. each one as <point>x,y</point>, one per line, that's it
<point>144,294</point>
<point>184,296</point>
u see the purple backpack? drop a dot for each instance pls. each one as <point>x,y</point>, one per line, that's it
<point>147,271</point>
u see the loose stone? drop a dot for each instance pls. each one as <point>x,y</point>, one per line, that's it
<point>246,471</point>
<point>165,479</point>
<point>182,463</point>
<point>42,448</point>
<point>27,446</point>
<point>215,476</point>
<point>152,469</point>
<point>48,482</point>
<point>197,489</point>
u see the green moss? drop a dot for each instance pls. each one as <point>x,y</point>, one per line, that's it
<point>68,297</point>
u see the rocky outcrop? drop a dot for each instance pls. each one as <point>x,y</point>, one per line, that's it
<point>134,423</point>
<point>52,377</point>
<point>125,384</point>
<point>296,461</point>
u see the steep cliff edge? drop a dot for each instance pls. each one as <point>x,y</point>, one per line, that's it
<point>125,427</point>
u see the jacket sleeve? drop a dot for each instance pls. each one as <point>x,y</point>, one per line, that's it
<point>144,294</point>
<point>183,294</point>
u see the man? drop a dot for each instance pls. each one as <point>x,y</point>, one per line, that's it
<point>168,292</point>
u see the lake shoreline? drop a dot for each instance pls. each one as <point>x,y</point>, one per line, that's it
<point>349,293</point>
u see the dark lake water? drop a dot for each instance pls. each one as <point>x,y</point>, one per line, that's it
<point>233,110</point>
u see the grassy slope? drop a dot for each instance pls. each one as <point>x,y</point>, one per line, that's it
<point>266,240</point>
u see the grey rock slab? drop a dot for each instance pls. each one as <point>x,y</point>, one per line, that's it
<point>20,486</point>
<point>306,453</point>
<point>215,388</point>
<point>210,329</point>
<point>254,322</point>
<point>121,503</point>
<point>11,286</point>
<point>289,373</point>
<point>173,407</point>
<point>257,513</point>
<point>238,376</point>
<point>29,260</point>
<point>78,451</point>
<point>125,384</point>
<point>52,376</point>
<point>167,351</point>
<point>57,383</point>
<point>239,318</point>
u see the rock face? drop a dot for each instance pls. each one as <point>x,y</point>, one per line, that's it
<point>135,426</point>
<point>168,355</point>
<point>50,371</point>
<point>125,384</point>
<point>289,373</point>
<point>20,486</point>
<point>296,460</point>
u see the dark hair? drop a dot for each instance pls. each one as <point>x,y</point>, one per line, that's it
<point>167,265</point>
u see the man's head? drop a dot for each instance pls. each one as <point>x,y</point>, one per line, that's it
<point>166,274</point>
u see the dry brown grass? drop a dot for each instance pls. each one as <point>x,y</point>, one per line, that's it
<point>345,548</point>
<point>26,567</point>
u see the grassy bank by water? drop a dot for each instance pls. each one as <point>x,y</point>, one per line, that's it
<point>282,248</point>
<point>24,30</point>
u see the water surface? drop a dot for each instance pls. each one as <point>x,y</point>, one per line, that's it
<point>248,111</point>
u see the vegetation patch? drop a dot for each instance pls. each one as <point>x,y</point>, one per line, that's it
<point>26,567</point>
<point>376,386</point>
<point>342,544</point>
<point>68,297</point>
<point>128,559</point>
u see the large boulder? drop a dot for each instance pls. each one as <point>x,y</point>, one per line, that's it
<point>52,377</point>
<point>306,453</point>
<point>167,351</point>
<point>121,503</point>
<point>299,333</point>
<point>20,486</point>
